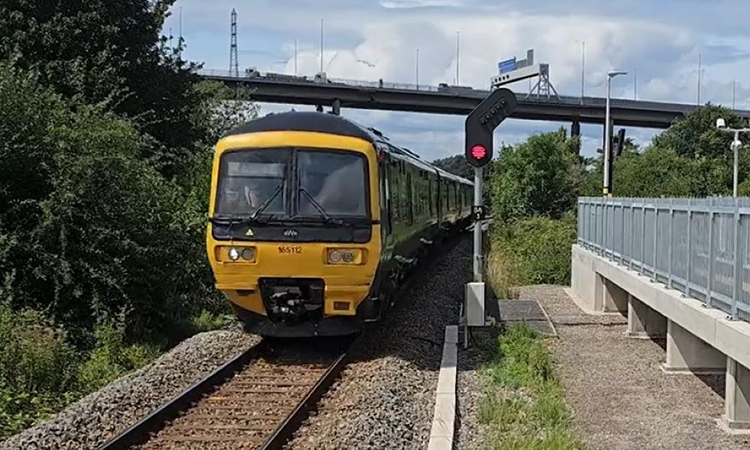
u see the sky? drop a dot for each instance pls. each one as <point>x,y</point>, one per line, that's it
<point>658,41</point>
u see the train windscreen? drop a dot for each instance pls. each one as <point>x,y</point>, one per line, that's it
<point>253,179</point>
<point>332,183</point>
<point>326,183</point>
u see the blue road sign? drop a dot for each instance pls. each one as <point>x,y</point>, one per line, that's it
<point>509,65</point>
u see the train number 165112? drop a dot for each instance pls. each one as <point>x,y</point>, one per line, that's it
<point>290,249</point>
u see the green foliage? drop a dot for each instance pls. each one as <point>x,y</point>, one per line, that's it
<point>456,165</point>
<point>692,158</point>
<point>534,250</point>
<point>523,404</point>
<point>36,368</point>
<point>108,233</point>
<point>208,321</point>
<point>696,136</point>
<point>112,357</point>
<point>112,54</point>
<point>541,176</point>
<point>105,150</point>
<point>40,372</point>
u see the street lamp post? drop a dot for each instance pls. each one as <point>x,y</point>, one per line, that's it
<point>607,134</point>
<point>736,145</point>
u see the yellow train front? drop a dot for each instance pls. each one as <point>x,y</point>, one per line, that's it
<point>308,233</point>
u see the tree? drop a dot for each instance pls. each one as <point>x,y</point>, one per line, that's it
<point>541,176</point>
<point>456,165</point>
<point>696,135</point>
<point>110,52</point>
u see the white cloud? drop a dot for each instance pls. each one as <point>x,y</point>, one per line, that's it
<point>371,40</point>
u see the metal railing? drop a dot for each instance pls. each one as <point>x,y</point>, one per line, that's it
<point>700,247</point>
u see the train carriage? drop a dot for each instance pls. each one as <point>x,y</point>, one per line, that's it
<point>314,220</point>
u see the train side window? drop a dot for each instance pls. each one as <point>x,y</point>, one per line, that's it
<point>429,196</point>
<point>395,191</point>
<point>409,200</point>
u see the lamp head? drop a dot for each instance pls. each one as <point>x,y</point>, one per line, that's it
<point>720,123</point>
<point>614,73</point>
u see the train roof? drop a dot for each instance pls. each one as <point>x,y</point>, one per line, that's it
<point>305,121</point>
<point>333,124</point>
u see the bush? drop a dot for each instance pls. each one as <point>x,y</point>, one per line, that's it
<point>541,176</point>
<point>112,358</point>
<point>105,232</point>
<point>534,250</point>
<point>37,369</point>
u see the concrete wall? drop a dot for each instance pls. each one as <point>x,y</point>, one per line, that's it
<point>699,339</point>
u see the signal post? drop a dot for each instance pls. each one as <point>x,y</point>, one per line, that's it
<point>480,126</point>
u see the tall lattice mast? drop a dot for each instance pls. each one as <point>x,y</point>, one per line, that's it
<point>234,65</point>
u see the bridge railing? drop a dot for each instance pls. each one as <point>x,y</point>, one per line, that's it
<point>700,247</point>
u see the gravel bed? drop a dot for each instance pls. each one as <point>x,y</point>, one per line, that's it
<point>622,400</point>
<point>99,416</point>
<point>386,395</point>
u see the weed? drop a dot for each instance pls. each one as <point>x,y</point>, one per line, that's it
<point>523,405</point>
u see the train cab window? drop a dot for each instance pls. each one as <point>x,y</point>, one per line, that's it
<point>332,183</point>
<point>251,179</point>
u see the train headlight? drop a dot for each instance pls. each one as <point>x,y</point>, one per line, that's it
<point>352,256</point>
<point>236,254</point>
<point>248,254</point>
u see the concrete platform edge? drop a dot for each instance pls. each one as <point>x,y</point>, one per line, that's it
<point>444,418</point>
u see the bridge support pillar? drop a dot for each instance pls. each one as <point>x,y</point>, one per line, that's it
<point>575,128</point>
<point>736,418</point>
<point>643,321</point>
<point>688,354</point>
<point>615,298</point>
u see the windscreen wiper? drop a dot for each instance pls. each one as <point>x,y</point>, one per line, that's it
<point>268,201</point>
<point>317,206</point>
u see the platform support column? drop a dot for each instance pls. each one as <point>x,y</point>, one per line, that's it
<point>688,354</point>
<point>736,418</point>
<point>644,322</point>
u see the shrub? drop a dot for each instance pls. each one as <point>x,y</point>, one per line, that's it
<point>534,250</point>
<point>541,176</point>
<point>112,358</point>
<point>37,368</point>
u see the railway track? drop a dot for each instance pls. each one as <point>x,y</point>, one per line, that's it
<point>255,401</point>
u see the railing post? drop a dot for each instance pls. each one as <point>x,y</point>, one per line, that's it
<point>689,248</point>
<point>656,239</point>
<point>622,231</point>
<point>632,235</point>
<point>604,227</point>
<point>671,243</point>
<point>709,300</point>
<point>737,285</point>
<point>643,236</point>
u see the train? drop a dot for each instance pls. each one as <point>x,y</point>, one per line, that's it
<point>315,220</point>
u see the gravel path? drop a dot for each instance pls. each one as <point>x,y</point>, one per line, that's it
<point>622,399</point>
<point>385,397</point>
<point>99,416</point>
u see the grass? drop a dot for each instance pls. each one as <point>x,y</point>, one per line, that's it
<point>524,406</point>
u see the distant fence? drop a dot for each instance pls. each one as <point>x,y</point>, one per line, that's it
<point>698,246</point>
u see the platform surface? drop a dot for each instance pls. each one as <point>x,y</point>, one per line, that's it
<point>511,312</point>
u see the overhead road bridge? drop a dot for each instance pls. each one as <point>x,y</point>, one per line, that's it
<point>447,100</point>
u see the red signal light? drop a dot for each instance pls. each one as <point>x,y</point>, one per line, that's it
<point>478,152</point>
